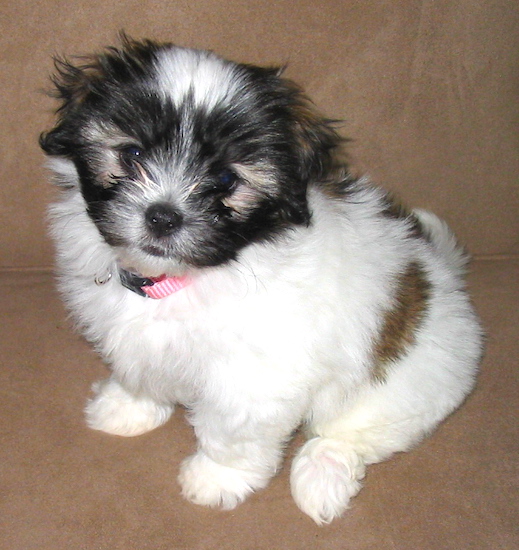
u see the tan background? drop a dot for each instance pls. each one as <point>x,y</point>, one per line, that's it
<point>429,92</point>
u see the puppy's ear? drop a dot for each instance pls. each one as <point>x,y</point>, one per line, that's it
<point>316,139</point>
<point>94,76</point>
<point>72,84</point>
<point>313,138</point>
<point>56,142</point>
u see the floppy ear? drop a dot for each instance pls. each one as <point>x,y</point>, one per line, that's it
<point>93,75</point>
<point>56,141</point>
<point>316,138</point>
<point>313,138</point>
<point>72,84</point>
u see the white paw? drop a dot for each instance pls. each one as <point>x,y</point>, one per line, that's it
<point>208,483</point>
<point>325,475</point>
<point>115,411</point>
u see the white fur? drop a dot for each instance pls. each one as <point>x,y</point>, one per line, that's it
<point>204,75</point>
<point>278,338</point>
<point>115,411</point>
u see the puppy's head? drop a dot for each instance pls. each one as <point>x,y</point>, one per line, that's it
<point>184,158</point>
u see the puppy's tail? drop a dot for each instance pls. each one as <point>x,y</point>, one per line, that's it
<point>444,240</point>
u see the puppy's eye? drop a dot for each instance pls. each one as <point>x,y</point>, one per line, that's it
<point>227,180</point>
<point>130,156</point>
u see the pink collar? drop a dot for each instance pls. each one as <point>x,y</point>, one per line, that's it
<point>164,286</point>
<point>152,287</point>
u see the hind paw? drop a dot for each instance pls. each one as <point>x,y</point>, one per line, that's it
<point>325,475</point>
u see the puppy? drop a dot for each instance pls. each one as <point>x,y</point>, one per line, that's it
<point>219,256</point>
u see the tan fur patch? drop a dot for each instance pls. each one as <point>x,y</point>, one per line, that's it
<point>110,140</point>
<point>400,323</point>
<point>258,183</point>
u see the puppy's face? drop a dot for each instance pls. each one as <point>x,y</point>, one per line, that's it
<point>184,158</point>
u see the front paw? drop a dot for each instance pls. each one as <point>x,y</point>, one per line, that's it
<point>115,411</point>
<point>208,483</point>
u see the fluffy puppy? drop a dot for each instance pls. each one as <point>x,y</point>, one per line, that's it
<point>218,255</point>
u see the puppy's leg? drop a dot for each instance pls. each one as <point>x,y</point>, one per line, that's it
<point>326,474</point>
<point>209,483</point>
<point>232,461</point>
<point>386,418</point>
<point>116,411</point>
<point>329,469</point>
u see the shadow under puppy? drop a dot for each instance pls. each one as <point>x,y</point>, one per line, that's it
<point>219,256</point>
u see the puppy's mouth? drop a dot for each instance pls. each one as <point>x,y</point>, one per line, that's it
<point>149,260</point>
<point>156,251</point>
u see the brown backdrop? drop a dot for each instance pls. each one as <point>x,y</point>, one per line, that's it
<point>429,94</point>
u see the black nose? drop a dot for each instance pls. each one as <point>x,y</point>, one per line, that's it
<point>162,219</point>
